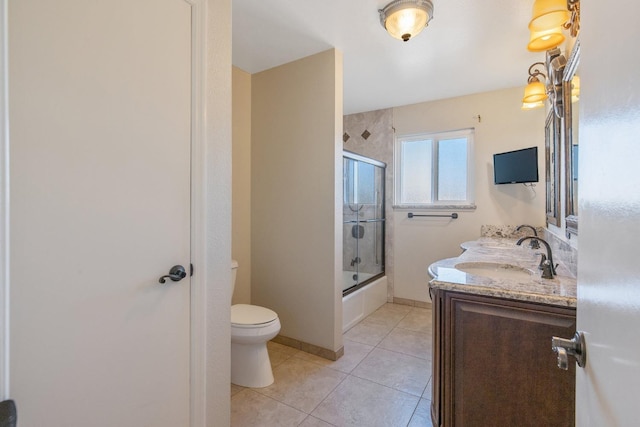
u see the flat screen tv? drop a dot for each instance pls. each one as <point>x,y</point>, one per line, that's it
<point>514,167</point>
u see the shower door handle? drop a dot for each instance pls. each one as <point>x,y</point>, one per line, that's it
<point>354,221</point>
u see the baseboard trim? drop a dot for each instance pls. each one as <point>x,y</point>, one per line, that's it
<point>411,302</point>
<point>309,348</point>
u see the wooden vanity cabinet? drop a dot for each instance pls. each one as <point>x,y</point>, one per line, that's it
<point>493,364</point>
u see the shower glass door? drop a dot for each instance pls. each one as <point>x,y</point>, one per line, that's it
<point>363,218</point>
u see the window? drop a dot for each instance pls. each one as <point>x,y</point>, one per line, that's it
<point>434,170</point>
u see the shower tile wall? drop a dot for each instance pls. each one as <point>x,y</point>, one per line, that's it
<point>371,134</point>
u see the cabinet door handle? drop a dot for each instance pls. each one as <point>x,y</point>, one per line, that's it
<point>570,347</point>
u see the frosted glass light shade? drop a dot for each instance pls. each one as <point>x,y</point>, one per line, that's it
<point>532,105</point>
<point>548,14</point>
<point>545,40</point>
<point>534,92</point>
<point>404,19</point>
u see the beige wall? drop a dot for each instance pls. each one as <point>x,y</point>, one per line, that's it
<point>296,191</point>
<point>241,184</point>
<point>503,126</point>
<point>218,216</point>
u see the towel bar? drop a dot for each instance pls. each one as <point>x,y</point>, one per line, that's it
<point>453,215</point>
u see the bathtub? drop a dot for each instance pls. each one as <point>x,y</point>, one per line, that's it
<point>361,303</point>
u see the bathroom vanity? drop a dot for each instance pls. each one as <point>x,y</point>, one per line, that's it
<point>493,319</point>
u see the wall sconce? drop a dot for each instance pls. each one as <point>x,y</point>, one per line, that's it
<point>545,40</point>
<point>573,25</point>
<point>549,18</point>
<point>535,91</point>
<point>548,14</point>
<point>532,105</point>
<point>404,19</point>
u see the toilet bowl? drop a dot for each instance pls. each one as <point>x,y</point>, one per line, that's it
<point>251,327</point>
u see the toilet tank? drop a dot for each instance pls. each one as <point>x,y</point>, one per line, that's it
<point>234,270</point>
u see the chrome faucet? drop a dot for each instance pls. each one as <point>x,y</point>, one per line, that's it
<point>548,267</point>
<point>534,244</point>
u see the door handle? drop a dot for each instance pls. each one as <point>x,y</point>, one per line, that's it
<point>570,347</point>
<point>176,274</point>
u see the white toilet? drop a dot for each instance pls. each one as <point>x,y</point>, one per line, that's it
<point>251,327</point>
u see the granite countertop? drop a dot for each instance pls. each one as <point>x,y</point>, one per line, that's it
<point>559,291</point>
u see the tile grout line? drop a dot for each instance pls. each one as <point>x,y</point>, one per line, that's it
<point>414,412</point>
<point>347,375</point>
<point>404,354</point>
<point>326,397</point>
<point>386,386</point>
<point>369,349</point>
<point>278,401</point>
<point>257,390</point>
<point>350,373</point>
<point>397,352</point>
<point>313,416</point>
<point>365,356</point>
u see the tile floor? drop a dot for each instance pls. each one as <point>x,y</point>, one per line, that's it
<point>383,379</point>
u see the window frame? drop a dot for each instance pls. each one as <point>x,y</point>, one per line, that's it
<point>436,137</point>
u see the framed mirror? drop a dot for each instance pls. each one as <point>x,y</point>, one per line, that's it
<point>571,96</point>
<point>552,132</point>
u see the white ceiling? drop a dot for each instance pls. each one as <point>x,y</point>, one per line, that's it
<point>470,46</point>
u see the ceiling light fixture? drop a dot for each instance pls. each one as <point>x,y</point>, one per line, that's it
<point>535,91</point>
<point>404,19</point>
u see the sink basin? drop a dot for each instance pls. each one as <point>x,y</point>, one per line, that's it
<point>494,270</point>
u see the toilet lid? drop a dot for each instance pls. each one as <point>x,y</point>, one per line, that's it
<point>245,314</point>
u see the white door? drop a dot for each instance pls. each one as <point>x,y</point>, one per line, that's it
<point>100,128</point>
<point>608,389</point>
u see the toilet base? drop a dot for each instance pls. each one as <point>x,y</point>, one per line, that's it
<point>250,365</point>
